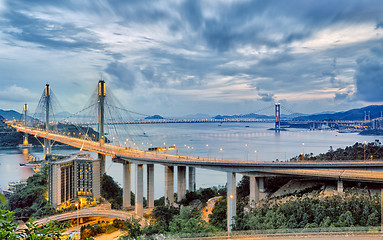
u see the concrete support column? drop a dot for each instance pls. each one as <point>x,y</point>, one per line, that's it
<point>231,199</point>
<point>139,206</point>
<point>261,184</point>
<point>150,185</point>
<point>126,185</point>
<point>102,163</point>
<point>169,185</point>
<point>340,186</point>
<point>254,191</point>
<point>181,183</point>
<point>191,179</point>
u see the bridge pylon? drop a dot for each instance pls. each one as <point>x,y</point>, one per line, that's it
<point>277,117</point>
<point>101,121</point>
<point>25,139</point>
<point>47,99</point>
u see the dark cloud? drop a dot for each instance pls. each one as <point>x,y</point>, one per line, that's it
<point>191,12</point>
<point>178,71</point>
<point>369,79</point>
<point>379,25</point>
<point>122,75</point>
<point>266,97</point>
<point>340,96</point>
<point>50,34</point>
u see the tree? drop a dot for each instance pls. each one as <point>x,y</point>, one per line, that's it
<point>30,200</point>
<point>163,215</point>
<point>133,229</point>
<point>189,222</point>
<point>218,216</point>
<point>9,229</point>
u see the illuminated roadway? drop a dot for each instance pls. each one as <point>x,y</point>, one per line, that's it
<point>371,171</point>
<point>235,120</point>
<point>91,212</point>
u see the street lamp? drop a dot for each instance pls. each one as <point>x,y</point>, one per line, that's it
<point>228,214</point>
<point>247,152</point>
<point>256,155</point>
<point>221,149</point>
<point>208,151</point>
<point>364,147</point>
<point>78,225</point>
<point>303,152</point>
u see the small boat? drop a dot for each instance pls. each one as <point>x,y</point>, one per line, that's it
<point>25,145</point>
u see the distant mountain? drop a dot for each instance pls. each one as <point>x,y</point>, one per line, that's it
<point>293,115</point>
<point>154,117</point>
<point>10,114</point>
<point>353,114</point>
<point>249,115</point>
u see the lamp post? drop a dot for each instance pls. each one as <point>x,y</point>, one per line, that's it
<point>208,151</point>
<point>221,149</point>
<point>78,225</point>
<point>364,150</point>
<point>256,155</point>
<point>303,152</point>
<point>247,152</point>
<point>228,215</point>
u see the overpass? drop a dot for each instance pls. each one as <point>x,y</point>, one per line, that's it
<point>92,212</point>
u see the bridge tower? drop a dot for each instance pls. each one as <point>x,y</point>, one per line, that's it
<point>25,140</point>
<point>277,117</point>
<point>47,96</point>
<point>101,121</point>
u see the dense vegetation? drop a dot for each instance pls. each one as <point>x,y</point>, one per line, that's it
<point>358,151</point>
<point>30,200</point>
<point>10,230</point>
<point>352,209</point>
<point>307,211</point>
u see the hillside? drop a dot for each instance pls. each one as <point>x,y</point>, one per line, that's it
<point>10,114</point>
<point>353,114</point>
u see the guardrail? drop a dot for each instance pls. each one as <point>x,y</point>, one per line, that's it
<point>283,232</point>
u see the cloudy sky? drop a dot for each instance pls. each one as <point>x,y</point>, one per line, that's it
<point>177,57</point>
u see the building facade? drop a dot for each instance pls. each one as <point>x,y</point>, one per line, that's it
<point>72,177</point>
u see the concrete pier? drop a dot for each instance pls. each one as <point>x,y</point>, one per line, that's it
<point>340,186</point>
<point>139,206</point>
<point>254,191</point>
<point>231,199</point>
<point>191,179</point>
<point>181,183</point>
<point>126,185</point>
<point>169,185</point>
<point>261,184</point>
<point>150,184</point>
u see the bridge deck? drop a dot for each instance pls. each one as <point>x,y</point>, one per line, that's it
<point>356,170</point>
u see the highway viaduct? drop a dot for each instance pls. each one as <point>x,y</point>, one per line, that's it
<point>361,171</point>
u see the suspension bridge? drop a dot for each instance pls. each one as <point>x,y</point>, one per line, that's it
<point>125,150</point>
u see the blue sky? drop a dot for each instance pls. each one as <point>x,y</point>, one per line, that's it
<point>177,57</point>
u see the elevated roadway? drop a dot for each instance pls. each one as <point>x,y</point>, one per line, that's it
<point>370,171</point>
<point>93,212</point>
